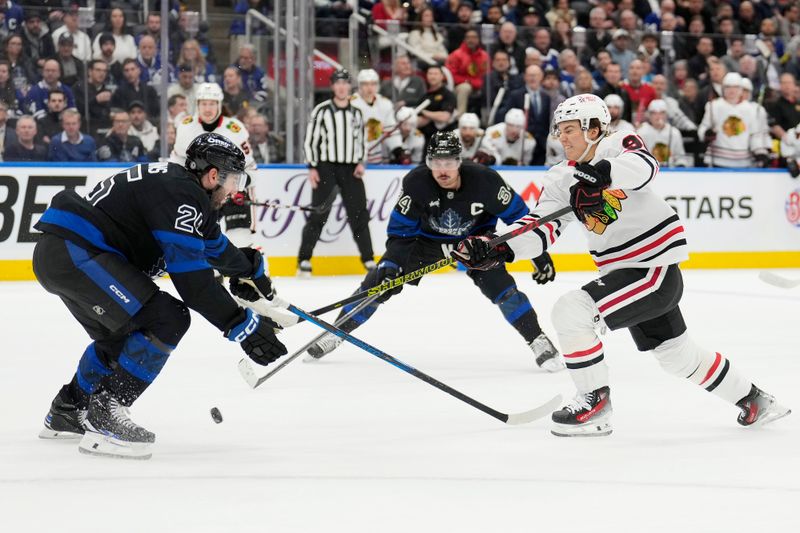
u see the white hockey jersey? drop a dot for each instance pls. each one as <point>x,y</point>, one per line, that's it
<point>414,144</point>
<point>665,144</point>
<point>620,125</point>
<point>380,126</point>
<point>741,133</point>
<point>189,128</point>
<point>519,152</point>
<point>790,143</point>
<point>554,153</point>
<point>468,152</point>
<point>637,228</point>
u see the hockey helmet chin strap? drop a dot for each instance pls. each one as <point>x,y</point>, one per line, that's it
<point>589,143</point>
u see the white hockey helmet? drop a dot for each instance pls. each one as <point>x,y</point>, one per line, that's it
<point>747,85</point>
<point>469,120</point>
<point>658,106</point>
<point>583,108</point>
<point>406,115</point>
<point>368,75</point>
<point>515,117</point>
<point>732,79</point>
<point>209,91</point>
<point>615,100</point>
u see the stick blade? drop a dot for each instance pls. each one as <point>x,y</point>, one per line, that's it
<point>777,281</point>
<point>248,373</point>
<point>534,414</point>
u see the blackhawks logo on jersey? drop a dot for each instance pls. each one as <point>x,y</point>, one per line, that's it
<point>599,221</point>
<point>661,152</point>
<point>733,126</point>
<point>234,127</point>
<point>374,129</point>
<point>187,120</point>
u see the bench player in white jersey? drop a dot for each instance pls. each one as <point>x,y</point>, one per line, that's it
<point>208,117</point>
<point>637,242</point>
<point>663,140</point>
<point>616,106</point>
<point>412,140</point>
<point>380,124</point>
<point>472,137</point>
<point>513,145</point>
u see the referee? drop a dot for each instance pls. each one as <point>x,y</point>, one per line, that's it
<point>335,150</point>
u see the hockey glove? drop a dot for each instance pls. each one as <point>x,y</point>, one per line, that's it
<point>585,200</point>
<point>256,335</point>
<point>793,167</point>
<point>259,277</point>
<point>387,271</point>
<point>709,136</point>
<point>597,175</point>
<point>475,253</point>
<point>544,270</point>
<point>762,160</point>
<point>482,158</point>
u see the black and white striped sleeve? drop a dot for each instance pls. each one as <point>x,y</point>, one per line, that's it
<point>314,136</point>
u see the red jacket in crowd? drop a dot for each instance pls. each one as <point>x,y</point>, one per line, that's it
<point>468,66</point>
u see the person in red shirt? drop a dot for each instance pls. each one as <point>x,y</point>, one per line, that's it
<point>641,93</point>
<point>468,64</point>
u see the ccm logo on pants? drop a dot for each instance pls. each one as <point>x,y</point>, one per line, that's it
<point>120,294</point>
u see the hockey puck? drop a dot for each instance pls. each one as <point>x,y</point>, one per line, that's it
<point>216,416</point>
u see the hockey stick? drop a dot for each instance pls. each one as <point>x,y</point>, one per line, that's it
<point>249,375</point>
<point>511,419</point>
<point>310,209</point>
<point>778,281</point>
<point>526,108</point>
<point>498,99</point>
<point>417,110</point>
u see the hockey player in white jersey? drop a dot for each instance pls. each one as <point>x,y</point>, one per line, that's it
<point>208,117</point>
<point>413,141</point>
<point>661,139</point>
<point>637,242</point>
<point>514,146</point>
<point>380,124</point>
<point>616,107</point>
<point>473,141</point>
<point>790,149</point>
<point>733,129</point>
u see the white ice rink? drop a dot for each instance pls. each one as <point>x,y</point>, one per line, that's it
<point>353,444</point>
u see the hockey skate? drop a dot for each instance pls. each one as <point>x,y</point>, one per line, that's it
<point>547,356</point>
<point>111,433</point>
<point>304,269</point>
<point>328,343</point>
<point>587,415</point>
<point>65,420</point>
<point>759,408</point>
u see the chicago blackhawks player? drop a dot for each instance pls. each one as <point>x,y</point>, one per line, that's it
<point>413,141</point>
<point>661,139</point>
<point>513,145</point>
<point>616,107</point>
<point>238,216</point>
<point>637,242</point>
<point>380,124</point>
<point>472,139</point>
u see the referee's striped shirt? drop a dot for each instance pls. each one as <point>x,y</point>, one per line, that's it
<point>335,135</point>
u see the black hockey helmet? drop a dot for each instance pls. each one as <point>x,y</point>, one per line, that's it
<point>443,145</point>
<point>212,150</point>
<point>341,74</point>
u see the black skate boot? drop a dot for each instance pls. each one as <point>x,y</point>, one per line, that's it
<point>328,343</point>
<point>587,415</point>
<point>759,408</point>
<point>66,418</point>
<point>547,356</point>
<point>110,431</point>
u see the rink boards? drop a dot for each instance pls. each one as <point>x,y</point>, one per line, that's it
<point>734,219</point>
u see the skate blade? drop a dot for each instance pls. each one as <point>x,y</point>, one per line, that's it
<point>553,365</point>
<point>51,434</point>
<point>771,416</point>
<point>308,358</point>
<point>105,446</point>
<point>596,429</point>
<point>303,275</point>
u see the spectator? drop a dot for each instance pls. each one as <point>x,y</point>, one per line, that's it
<point>132,89</point>
<point>177,108</point>
<point>616,107</point>
<point>152,28</point>
<point>695,8</point>
<point>784,113</point>
<point>494,16</point>
<point>507,41</point>
<point>235,99</point>
<point>37,45</point>
<point>415,8</point>
<point>71,144</point>
<point>749,21</point>
<point>463,22</point>
<point>542,42</point>
<point>8,93</point>
<point>254,79</point>
<point>82,49</point>
<point>599,62</point>
<point>562,35</point>
<point>427,37</point>
<point>468,64</point>
<point>192,55</point>
<point>538,110</point>
<point>150,63</point>
<point>680,45</point>
<point>7,134</point>
<point>118,145</point>
<point>561,10</point>
<point>613,85</point>
<point>651,55</point>
<point>48,122</point>
<point>141,127</point>
<point>500,76</point>
<point>185,86</point>
<point>620,49</point>
<point>584,83</point>
<point>716,73</point>
<point>439,114</point>
<point>94,101</point>
<point>36,100</point>
<point>124,44</point>
<point>599,34</point>
<point>532,18</point>
<point>26,148</point>
<point>181,34</point>
<point>726,28</point>
<point>568,61</point>
<point>267,147</point>
<point>23,73</point>
<point>108,46</point>
<point>72,70</point>
<point>690,102</point>
<point>698,64</point>
<point>734,53</point>
<point>630,23</point>
<point>386,10</point>
<point>551,84</point>
<point>13,18</point>
<point>447,11</point>
<point>405,88</point>
<point>675,115</point>
<point>640,93</point>
<point>662,139</point>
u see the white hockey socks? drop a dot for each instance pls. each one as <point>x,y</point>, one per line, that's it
<point>575,317</point>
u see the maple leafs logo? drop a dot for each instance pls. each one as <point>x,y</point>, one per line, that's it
<point>450,223</point>
<point>598,222</point>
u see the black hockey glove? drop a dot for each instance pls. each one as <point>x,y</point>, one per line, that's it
<point>585,200</point>
<point>544,270</point>
<point>597,175</point>
<point>256,335</point>
<point>475,253</point>
<point>709,136</point>
<point>260,279</point>
<point>397,156</point>
<point>762,160</point>
<point>793,167</point>
<point>387,271</point>
<point>482,158</point>
<point>511,162</point>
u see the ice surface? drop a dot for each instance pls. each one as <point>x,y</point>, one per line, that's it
<point>351,443</point>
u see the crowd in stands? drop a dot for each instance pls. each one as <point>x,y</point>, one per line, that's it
<point>93,94</point>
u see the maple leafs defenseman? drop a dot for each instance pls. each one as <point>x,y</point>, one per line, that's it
<point>636,241</point>
<point>441,203</point>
